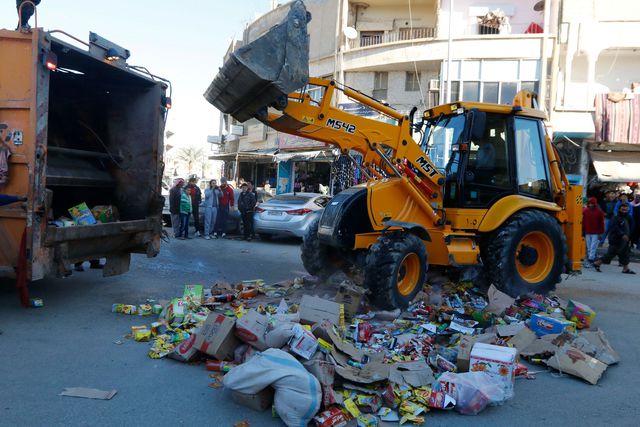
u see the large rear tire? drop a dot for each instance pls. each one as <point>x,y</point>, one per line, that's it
<point>316,256</point>
<point>395,270</point>
<point>527,254</point>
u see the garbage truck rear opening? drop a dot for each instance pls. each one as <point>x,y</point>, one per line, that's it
<point>82,127</point>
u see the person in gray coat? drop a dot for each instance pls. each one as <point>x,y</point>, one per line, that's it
<point>211,196</point>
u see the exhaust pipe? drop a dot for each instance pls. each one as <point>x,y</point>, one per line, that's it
<point>263,72</point>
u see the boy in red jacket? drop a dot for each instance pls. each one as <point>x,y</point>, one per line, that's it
<point>592,227</point>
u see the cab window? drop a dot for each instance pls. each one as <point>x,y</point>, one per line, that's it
<point>530,161</point>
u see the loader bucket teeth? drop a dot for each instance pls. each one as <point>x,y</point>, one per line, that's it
<point>261,73</point>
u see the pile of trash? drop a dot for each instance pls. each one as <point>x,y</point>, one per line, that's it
<point>329,362</point>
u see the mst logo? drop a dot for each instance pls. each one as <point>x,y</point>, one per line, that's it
<point>340,125</point>
<point>426,167</point>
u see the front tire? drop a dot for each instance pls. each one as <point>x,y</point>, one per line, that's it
<point>395,270</point>
<point>527,254</point>
<point>315,256</point>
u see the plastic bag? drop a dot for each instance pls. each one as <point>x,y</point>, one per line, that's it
<point>298,393</point>
<point>473,391</point>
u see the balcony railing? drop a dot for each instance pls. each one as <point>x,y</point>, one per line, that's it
<point>403,34</point>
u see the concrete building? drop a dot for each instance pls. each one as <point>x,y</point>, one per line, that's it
<point>399,51</point>
<point>596,61</point>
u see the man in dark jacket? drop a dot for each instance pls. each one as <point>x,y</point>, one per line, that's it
<point>246,205</point>
<point>196,197</point>
<point>619,240</point>
<point>25,13</point>
<point>174,205</point>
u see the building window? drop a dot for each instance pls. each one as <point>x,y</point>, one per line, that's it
<point>380,85</point>
<point>490,92</point>
<point>412,82</point>
<point>508,91</point>
<point>455,91</point>
<point>471,91</point>
<point>530,86</point>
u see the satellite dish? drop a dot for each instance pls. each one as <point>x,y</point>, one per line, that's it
<point>350,33</point>
<point>539,7</point>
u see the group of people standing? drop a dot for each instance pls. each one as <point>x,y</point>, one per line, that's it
<point>185,200</point>
<point>617,219</point>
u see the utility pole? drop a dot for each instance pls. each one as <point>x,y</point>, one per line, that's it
<point>449,46</point>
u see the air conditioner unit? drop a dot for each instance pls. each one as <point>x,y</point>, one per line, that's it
<point>434,84</point>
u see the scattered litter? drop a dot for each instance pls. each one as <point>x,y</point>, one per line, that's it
<point>337,362</point>
<point>88,393</point>
<point>36,302</point>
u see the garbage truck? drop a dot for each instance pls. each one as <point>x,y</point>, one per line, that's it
<point>78,125</point>
<point>482,192</point>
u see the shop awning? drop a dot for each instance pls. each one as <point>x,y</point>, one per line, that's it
<point>264,156</point>
<point>298,156</point>
<point>616,166</point>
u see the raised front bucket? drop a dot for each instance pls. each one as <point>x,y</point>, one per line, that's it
<point>263,72</point>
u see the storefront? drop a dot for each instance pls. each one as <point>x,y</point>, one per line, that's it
<point>303,165</point>
<point>255,166</point>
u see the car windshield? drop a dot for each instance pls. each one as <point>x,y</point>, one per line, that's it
<point>439,136</point>
<point>289,200</point>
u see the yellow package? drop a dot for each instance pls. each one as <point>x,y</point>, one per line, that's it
<point>352,408</point>
<point>143,335</point>
<point>135,329</point>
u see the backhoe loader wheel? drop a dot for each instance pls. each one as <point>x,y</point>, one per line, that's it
<point>396,269</point>
<point>316,256</point>
<point>527,254</point>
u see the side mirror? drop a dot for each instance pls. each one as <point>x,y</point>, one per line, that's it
<point>475,125</point>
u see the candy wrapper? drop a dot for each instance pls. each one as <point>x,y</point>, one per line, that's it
<point>124,309</point>
<point>332,417</point>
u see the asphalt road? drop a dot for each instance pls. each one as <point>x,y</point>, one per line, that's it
<point>70,343</point>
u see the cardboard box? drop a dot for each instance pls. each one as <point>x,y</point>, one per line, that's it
<point>581,314</point>
<point>252,328</point>
<point>82,215</point>
<point>570,360</point>
<point>465,346</point>
<point>258,401</point>
<point>315,310</point>
<point>499,362</point>
<point>545,325</point>
<point>216,338</point>
<point>350,296</point>
<point>186,351</point>
<point>303,343</point>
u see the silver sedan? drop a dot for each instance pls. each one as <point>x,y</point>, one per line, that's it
<point>288,214</point>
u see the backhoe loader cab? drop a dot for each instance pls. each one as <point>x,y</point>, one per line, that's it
<point>482,189</point>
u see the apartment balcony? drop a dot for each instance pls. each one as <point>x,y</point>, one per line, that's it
<point>373,38</point>
<point>393,55</point>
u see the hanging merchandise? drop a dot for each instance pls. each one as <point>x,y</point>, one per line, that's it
<point>343,171</point>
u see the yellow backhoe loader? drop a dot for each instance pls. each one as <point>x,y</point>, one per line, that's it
<point>481,188</point>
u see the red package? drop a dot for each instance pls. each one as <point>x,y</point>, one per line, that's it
<point>332,417</point>
<point>365,330</point>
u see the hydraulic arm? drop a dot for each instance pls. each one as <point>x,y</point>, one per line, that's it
<point>388,149</point>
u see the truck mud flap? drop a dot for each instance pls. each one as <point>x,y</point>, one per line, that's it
<point>263,72</point>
